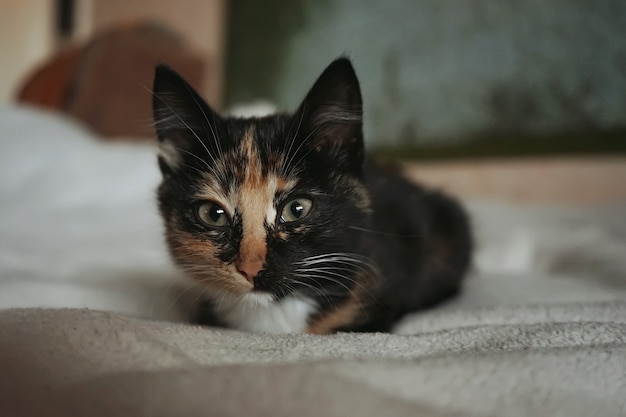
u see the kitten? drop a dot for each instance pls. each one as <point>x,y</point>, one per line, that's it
<point>287,227</point>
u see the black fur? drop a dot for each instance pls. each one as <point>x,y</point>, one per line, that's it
<point>416,241</point>
<point>421,241</point>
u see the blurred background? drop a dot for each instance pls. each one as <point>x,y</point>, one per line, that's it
<point>522,100</point>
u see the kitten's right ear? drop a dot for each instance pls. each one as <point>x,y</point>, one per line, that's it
<point>182,119</point>
<point>332,118</point>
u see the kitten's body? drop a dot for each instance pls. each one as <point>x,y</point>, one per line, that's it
<point>287,228</point>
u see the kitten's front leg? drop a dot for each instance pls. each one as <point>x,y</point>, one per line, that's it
<point>343,316</point>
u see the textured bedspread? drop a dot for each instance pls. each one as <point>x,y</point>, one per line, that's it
<point>563,360</point>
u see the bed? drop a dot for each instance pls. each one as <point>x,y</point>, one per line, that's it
<point>93,314</point>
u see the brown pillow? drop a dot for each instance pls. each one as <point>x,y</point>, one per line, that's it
<point>106,83</point>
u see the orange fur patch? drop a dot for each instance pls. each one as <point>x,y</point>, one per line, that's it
<point>352,310</point>
<point>281,184</point>
<point>334,319</point>
<point>254,203</point>
<point>198,258</point>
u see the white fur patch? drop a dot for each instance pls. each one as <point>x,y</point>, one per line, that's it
<point>270,214</point>
<point>259,313</point>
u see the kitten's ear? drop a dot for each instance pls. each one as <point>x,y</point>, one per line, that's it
<point>182,119</point>
<point>332,116</point>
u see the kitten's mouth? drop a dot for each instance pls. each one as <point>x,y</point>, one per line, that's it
<point>258,288</point>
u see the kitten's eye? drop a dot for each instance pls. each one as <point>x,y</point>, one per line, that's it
<point>295,210</point>
<point>212,214</point>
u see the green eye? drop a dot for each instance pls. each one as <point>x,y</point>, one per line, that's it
<point>295,210</point>
<point>212,214</point>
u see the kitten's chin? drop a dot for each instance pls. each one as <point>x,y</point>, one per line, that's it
<point>258,298</point>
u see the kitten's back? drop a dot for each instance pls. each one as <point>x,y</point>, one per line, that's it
<point>421,240</point>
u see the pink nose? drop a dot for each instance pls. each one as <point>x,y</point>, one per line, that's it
<point>249,269</point>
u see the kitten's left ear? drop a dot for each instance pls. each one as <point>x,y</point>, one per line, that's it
<point>332,116</point>
<point>183,120</point>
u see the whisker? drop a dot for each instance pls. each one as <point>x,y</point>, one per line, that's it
<point>164,292</point>
<point>320,291</point>
<point>206,164</point>
<point>213,132</point>
<point>342,258</point>
<point>292,140</point>
<point>323,274</point>
<point>346,254</point>
<point>199,293</point>
<point>184,123</point>
<point>377,232</point>
<point>368,269</point>
<point>350,291</point>
<point>335,262</point>
<point>290,163</point>
<point>218,140</point>
<point>331,274</point>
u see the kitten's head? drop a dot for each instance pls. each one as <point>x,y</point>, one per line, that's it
<point>264,204</point>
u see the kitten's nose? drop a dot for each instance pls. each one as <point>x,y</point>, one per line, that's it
<point>249,269</point>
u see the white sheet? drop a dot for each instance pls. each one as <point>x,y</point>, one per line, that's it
<point>78,220</point>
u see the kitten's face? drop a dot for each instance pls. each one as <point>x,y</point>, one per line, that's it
<point>267,204</point>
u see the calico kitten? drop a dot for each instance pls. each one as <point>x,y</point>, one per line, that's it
<point>287,227</point>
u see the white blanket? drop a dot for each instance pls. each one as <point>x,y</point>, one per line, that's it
<point>540,329</point>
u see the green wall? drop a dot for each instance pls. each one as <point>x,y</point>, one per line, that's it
<point>441,70</point>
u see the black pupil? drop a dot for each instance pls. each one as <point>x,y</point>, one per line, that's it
<point>296,209</point>
<point>215,213</point>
